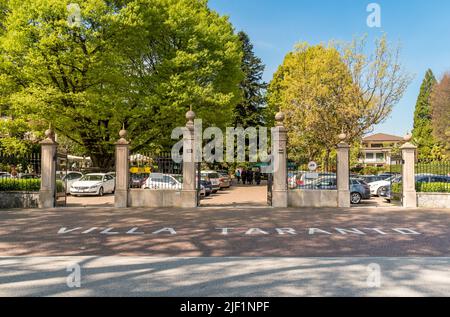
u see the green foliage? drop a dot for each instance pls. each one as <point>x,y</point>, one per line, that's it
<point>141,65</point>
<point>11,184</point>
<point>250,112</point>
<point>440,101</point>
<point>423,127</point>
<point>31,185</point>
<point>326,90</point>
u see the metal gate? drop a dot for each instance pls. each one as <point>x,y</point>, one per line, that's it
<point>269,188</point>
<point>396,170</point>
<point>61,180</point>
<point>198,173</point>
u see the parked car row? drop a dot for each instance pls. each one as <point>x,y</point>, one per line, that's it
<point>359,190</point>
<point>386,191</point>
<point>210,181</point>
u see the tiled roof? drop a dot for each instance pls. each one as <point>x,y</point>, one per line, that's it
<point>382,137</point>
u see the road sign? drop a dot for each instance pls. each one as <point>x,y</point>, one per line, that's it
<point>312,166</point>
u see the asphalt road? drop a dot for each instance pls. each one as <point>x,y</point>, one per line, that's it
<point>254,232</point>
<point>143,276</point>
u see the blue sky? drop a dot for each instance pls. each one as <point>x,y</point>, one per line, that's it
<point>421,27</point>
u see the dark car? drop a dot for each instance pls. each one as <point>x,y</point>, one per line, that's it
<point>359,190</point>
<point>138,180</point>
<point>208,186</point>
<point>385,191</point>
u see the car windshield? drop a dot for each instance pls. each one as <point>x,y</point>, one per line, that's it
<point>179,178</point>
<point>92,178</point>
<point>213,175</point>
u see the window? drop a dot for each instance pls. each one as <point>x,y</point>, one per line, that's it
<point>380,156</point>
<point>369,156</point>
<point>377,145</point>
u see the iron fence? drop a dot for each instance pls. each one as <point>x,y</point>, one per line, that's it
<point>20,172</point>
<point>155,171</point>
<point>312,177</point>
<point>433,176</point>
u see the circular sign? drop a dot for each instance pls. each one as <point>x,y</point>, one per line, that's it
<point>312,166</point>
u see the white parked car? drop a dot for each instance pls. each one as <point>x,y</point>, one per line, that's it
<point>376,187</point>
<point>69,179</point>
<point>93,184</point>
<point>164,181</point>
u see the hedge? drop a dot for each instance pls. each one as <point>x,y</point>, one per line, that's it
<point>425,187</point>
<point>433,187</point>
<point>31,185</point>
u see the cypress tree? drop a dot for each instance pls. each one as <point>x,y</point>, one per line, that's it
<point>249,113</point>
<point>423,127</point>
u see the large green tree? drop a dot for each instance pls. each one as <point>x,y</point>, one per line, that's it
<point>326,90</point>
<point>440,105</point>
<point>423,127</point>
<point>138,63</point>
<point>249,112</point>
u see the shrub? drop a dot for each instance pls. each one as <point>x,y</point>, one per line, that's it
<point>32,185</point>
<point>11,184</point>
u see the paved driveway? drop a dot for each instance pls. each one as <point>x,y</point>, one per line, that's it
<point>220,231</point>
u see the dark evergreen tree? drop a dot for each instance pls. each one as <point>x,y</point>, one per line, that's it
<point>423,127</point>
<point>249,113</point>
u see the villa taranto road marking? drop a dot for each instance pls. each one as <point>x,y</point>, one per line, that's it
<point>226,231</point>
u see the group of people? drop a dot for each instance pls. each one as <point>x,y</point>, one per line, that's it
<point>248,176</point>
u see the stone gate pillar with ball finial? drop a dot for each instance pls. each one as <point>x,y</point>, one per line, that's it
<point>47,192</point>
<point>279,140</point>
<point>122,170</point>
<point>408,173</point>
<point>189,193</point>
<point>343,184</point>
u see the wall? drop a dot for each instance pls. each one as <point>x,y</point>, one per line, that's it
<point>154,198</point>
<point>312,198</point>
<point>19,200</point>
<point>433,200</point>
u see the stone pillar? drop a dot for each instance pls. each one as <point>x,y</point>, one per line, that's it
<point>122,171</point>
<point>408,173</point>
<point>47,193</point>
<point>279,143</point>
<point>343,183</point>
<point>189,193</point>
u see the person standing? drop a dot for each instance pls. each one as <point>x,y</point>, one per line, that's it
<point>244,176</point>
<point>258,177</point>
<point>250,177</point>
<point>238,175</point>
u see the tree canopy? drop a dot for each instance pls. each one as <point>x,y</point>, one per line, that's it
<point>328,89</point>
<point>250,112</point>
<point>440,101</point>
<point>137,63</point>
<point>423,127</point>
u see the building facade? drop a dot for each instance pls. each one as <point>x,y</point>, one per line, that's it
<point>377,149</point>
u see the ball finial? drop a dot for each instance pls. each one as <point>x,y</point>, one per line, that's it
<point>279,117</point>
<point>190,115</point>
<point>342,137</point>
<point>407,137</point>
<point>123,133</point>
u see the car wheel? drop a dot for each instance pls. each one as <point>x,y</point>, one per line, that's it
<point>355,198</point>
<point>100,191</point>
<point>379,192</point>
